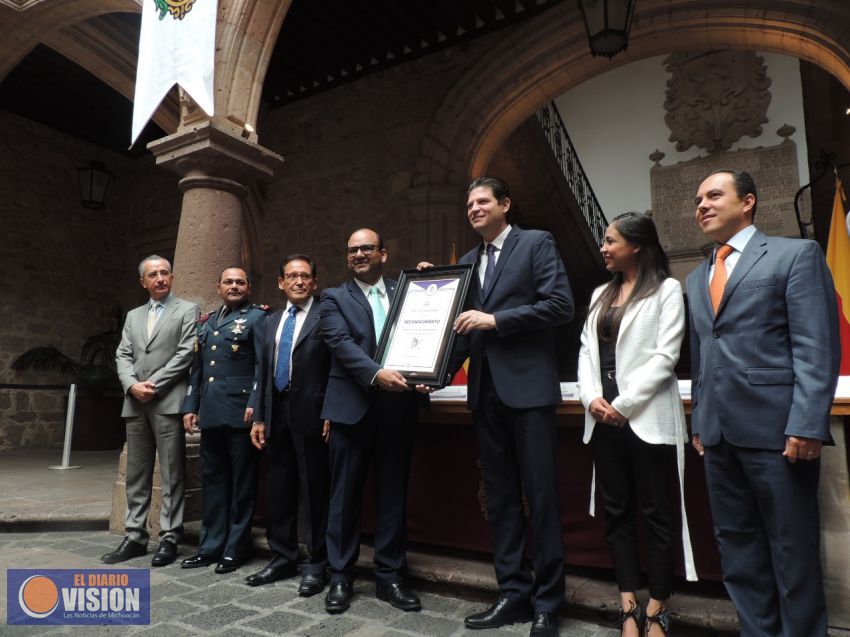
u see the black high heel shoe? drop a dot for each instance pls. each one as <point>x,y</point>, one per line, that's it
<point>660,617</point>
<point>634,613</point>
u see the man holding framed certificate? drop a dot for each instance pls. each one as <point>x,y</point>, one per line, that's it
<point>519,293</point>
<point>373,415</point>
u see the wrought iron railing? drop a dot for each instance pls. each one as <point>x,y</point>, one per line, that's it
<point>565,153</point>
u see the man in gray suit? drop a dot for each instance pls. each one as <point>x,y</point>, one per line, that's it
<point>153,359</point>
<point>764,363</point>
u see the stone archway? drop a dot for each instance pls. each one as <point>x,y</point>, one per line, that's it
<point>549,55</point>
<point>246,35</point>
<point>22,31</point>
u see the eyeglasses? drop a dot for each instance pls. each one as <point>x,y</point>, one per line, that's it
<point>366,249</point>
<point>294,276</point>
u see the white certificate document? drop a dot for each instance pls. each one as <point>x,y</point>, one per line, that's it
<point>417,337</point>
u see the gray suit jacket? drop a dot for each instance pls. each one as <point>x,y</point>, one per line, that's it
<point>766,366</point>
<point>164,359</point>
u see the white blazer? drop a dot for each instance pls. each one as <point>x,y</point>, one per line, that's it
<point>648,346</point>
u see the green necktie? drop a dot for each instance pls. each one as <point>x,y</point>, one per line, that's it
<point>378,312</point>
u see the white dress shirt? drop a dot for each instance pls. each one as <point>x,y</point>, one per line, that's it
<point>738,242</point>
<point>382,292</point>
<point>498,242</point>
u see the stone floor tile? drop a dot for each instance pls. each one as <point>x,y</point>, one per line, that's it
<point>164,611</point>
<point>166,590</point>
<point>280,622</point>
<point>331,626</point>
<point>267,597</point>
<point>217,616</point>
<point>161,630</point>
<point>423,624</point>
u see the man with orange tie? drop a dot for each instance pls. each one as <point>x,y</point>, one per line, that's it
<point>764,365</point>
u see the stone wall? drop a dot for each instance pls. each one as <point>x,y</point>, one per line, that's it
<point>775,171</point>
<point>68,268</point>
<point>350,155</point>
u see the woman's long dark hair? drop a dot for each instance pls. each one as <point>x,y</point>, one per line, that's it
<point>653,267</point>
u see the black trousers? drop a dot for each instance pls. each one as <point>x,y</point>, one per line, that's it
<point>229,481</point>
<point>384,438</point>
<point>635,473</point>
<point>296,464</point>
<point>517,449</point>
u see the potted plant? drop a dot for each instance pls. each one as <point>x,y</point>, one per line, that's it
<point>97,418</point>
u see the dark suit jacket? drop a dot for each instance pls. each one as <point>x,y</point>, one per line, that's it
<point>348,328</point>
<point>766,366</point>
<point>224,376</point>
<point>310,366</point>
<point>530,295</point>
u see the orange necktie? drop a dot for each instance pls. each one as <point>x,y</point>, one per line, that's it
<point>718,281</point>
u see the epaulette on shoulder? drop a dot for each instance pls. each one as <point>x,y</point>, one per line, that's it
<point>261,306</point>
<point>205,317</point>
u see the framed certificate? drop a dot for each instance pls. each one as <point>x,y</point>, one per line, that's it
<point>418,336</point>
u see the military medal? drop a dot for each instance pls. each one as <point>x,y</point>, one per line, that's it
<point>240,326</point>
<point>235,347</point>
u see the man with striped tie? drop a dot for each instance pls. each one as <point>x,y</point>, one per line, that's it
<point>373,418</point>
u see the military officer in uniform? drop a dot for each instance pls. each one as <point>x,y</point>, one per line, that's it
<point>221,398</point>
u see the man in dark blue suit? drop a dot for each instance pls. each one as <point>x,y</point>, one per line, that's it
<point>764,364</point>
<point>293,376</point>
<point>519,294</point>
<point>221,398</point>
<point>373,416</point>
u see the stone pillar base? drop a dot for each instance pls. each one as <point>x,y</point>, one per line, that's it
<point>193,490</point>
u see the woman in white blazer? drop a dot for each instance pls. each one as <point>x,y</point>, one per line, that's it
<point>634,416</point>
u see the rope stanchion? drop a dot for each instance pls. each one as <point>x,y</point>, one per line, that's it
<point>69,432</point>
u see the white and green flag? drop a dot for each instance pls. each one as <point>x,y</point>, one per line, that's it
<point>176,45</point>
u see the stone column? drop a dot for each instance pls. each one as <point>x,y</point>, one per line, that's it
<point>217,169</point>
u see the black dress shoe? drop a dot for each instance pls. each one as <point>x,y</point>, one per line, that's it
<point>165,554</point>
<point>311,584</point>
<point>544,625</point>
<point>397,596</point>
<point>505,611</point>
<point>271,573</point>
<point>198,560</point>
<point>128,549</point>
<point>339,596</point>
<point>227,564</point>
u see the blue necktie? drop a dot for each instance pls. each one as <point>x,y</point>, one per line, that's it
<point>284,349</point>
<point>489,269</point>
